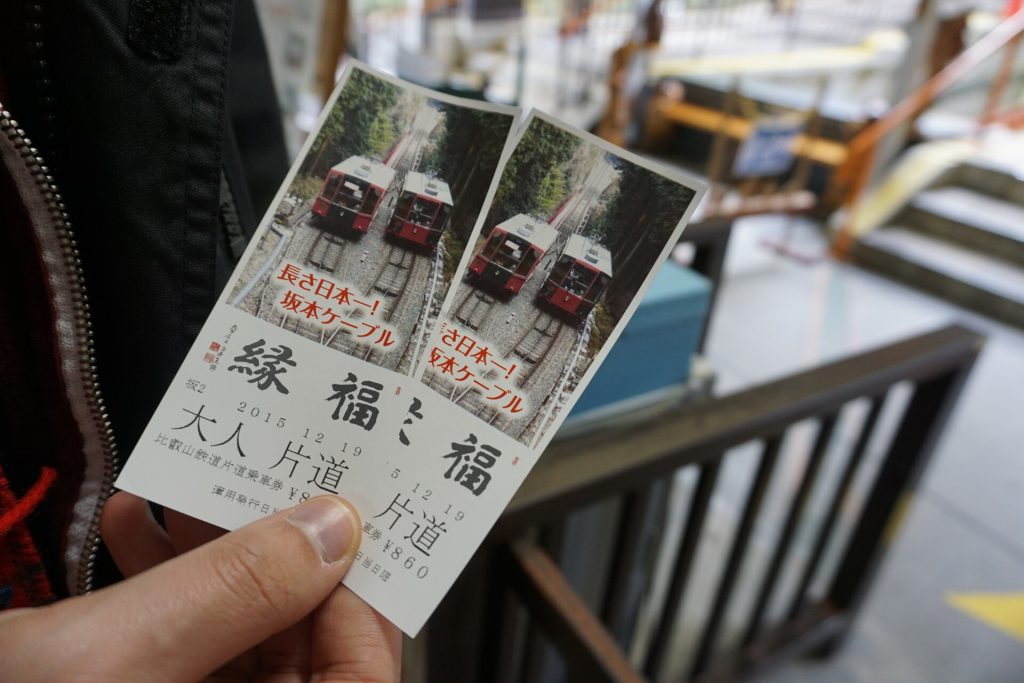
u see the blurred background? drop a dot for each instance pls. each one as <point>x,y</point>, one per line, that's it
<point>803,461</point>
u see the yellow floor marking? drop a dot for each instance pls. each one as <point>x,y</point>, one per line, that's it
<point>1002,611</point>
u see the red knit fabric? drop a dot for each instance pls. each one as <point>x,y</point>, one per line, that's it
<point>22,508</point>
<point>23,582</point>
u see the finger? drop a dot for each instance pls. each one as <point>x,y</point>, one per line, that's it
<point>184,618</point>
<point>353,642</point>
<point>241,669</point>
<point>137,542</point>
<point>135,539</point>
<point>188,532</point>
<point>285,657</point>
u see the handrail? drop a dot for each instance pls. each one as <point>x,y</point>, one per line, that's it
<point>578,471</point>
<point>630,470</point>
<point>855,172</point>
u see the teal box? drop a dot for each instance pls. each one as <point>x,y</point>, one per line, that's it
<point>655,349</point>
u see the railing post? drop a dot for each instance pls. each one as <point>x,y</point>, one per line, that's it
<point>737,551</point>
<point>682,563</point>
<point>828,521</point>
<point>797,509</point>
<point>639,533</point>
<point>589,651</point>
<point>536,648</point>
<point>454,637</point>
<point>711,243</point>
<point>858,184</point>
<point>905,458</point>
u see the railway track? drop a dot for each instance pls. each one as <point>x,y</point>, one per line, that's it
<point>421,332</point>
<point>467,398</point>
<point>392,281</point>
<point>552,400</point>
<point>330,254</point>
<point>397,274</point>
<point>542,334</point>
<point>294,323</point>
<point>492,416</point>
<point>475,309</point>
<point>393,278</point>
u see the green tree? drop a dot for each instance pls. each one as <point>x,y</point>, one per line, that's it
<point>466,157</point>
<point>534,181</point>
<point>381,136</point>
<point>554,187</point>
<point>641,216</point>
<point>361,122</point>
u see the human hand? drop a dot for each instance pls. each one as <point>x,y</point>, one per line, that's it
<point>262,603</point>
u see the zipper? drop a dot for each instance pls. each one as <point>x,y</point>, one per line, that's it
<point>82,330</point>
<point>43,84</point>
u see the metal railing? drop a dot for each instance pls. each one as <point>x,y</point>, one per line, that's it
<point>482,633</point>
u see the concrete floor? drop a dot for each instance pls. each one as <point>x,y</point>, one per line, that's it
<point>965,532</point>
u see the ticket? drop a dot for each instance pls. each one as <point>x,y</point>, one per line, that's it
<point>433,287</point>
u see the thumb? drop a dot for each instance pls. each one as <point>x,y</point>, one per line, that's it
<point>188,616</point>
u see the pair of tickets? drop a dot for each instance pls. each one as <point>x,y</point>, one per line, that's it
<point>432,289</point>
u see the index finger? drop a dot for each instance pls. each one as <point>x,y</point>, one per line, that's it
<point>352,641</point>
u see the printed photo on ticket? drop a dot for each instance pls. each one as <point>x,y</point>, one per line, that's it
<point>431,290</point>
<point>573,235</point>
<point>369,232</point>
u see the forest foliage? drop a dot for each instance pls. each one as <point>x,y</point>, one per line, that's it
<point>635,228</point>
<point>535,181</point>
<point>466,157</point>
<point>361,122</point>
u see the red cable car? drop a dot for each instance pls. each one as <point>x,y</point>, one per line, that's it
<point>511,253</point>
<point>422,210</point>
<point>579,278</point>
<point>351,195</point>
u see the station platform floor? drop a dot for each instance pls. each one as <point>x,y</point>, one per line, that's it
<point>948,602</point>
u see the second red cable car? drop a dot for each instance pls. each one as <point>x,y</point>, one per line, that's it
<point>579,278</point>
<point>422,210</point>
